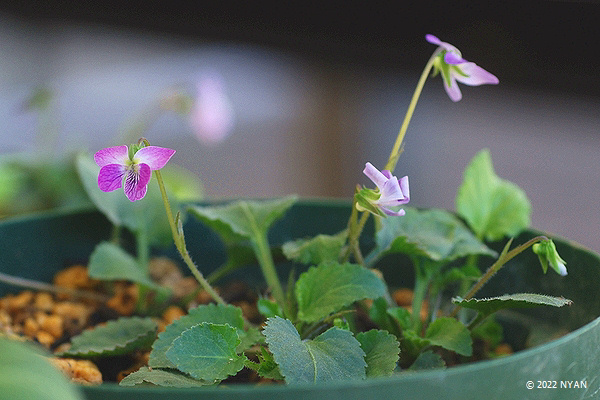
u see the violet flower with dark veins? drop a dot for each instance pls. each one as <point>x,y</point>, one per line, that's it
<point>116,164</point>
<point>455,68</point>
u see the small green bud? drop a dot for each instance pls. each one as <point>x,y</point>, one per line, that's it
<point>546,251</point>
<point>341,323</point>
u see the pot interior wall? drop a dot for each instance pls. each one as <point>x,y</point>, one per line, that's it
<point>37,246</point>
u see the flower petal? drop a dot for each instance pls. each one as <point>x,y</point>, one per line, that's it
<point>404,187</point>
<point>375,175</point>
<point>391,194</point>
<point>136,182</point>
<point>391,213</point>
<point>446,46</point>
<point>112,155</point>
<point>155,157</point>
<point>453,58</point>
<point>475,75</point>
<point>452,89</point>
<point>433,39</point>
<point>111,177</point>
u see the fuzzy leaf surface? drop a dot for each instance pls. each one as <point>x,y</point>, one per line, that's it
<point>207,351</point>
<point>493,207</point>
<point>519,300</point>
<point>329,287</point>
<point>118,337</point>
<point>316,250</point>
<point>331,356</point>
<point>382,352</point>
<point>434,233</point>
<point>161,377</point>
<point>216,314</point>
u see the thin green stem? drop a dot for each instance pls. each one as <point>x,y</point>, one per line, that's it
<point>496,266</point>
<point>262,250</point>
<point>395,154</point>
<point>180,244</point>
<point>419,292</point>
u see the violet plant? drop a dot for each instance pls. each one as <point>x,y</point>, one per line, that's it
<point>312,332</point>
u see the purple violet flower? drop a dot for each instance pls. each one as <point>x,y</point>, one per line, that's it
<point>455,68</point>
<point>115,163</point>
<point>392,192</point>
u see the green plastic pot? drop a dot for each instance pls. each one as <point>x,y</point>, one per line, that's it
<point>38,246</point>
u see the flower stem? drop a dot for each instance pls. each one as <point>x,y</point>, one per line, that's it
<point>496,266</point>
<point>395,154</point>
<point>262,250</point>
<point>180,244</point>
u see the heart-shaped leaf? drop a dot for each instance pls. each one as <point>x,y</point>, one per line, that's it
<point>333,355</point>
<point>216,314</point>
<point>492,207</point>
<point>328,288</point>
<point>207,351</point>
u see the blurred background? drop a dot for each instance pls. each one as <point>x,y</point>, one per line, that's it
<point>264,99</point>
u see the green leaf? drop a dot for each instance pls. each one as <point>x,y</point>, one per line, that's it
<point>146,215</point>
<point>266,366</point>
<point>268,308</point>
<point>333,355</point>
<point>379,315</point>
<point>450,334</point>
<point>327,288</point>
<point>243,219</point>
<point>401,315</point>
<point>316,250</point>
<point>427,360</point>
<point>490,331</point>
<point>216,314</point>
<point>122,336</point>
<point>382,352</point>
<point>25,374</point>
<point>492,207</point>
<point>184,184</point>
<point>161,377</point>
<point>520,300</point>
<point>434,233</point>
<point>110,262</point>
<point>207,351</point>
<point>249,338</point>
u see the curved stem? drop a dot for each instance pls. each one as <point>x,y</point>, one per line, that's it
<point>181,247</point>
<point>180,240</point>
<point>393,159</point>
<point>495,267</point>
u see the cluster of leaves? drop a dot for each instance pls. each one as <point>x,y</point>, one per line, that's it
<point>312,333</point>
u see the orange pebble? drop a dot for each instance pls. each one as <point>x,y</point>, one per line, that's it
<point>403,297</point>
<point>172,313</point>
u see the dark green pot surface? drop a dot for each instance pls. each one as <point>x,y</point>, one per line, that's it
<point>38,246</point>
